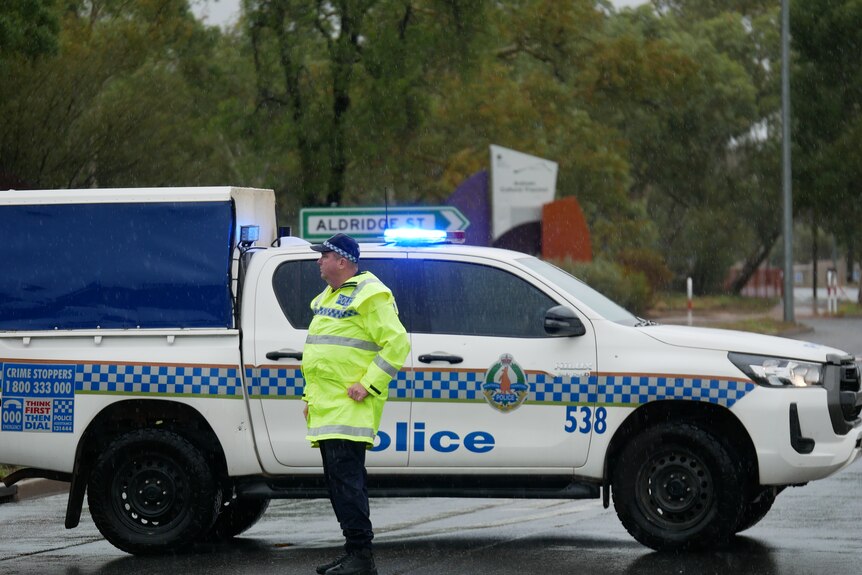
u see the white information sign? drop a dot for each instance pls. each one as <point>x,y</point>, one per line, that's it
<point>520,185</point>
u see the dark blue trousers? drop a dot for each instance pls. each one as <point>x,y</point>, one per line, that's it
<point>344,470</point>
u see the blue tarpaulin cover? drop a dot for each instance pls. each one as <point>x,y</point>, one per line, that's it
<point>115,265</point>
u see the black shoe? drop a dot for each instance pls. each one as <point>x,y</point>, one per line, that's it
<point>321,569</point>
<point>356,563</point>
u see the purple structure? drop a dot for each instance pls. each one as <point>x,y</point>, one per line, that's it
<point>471,197</point>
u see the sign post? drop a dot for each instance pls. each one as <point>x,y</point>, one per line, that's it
<point>318,224</point>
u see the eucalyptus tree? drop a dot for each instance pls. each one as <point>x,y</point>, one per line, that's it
<point>122,102</point>
<point>28,28</point>
<point>700,121</point>
<point>827,116</point>
<point>330,70</point>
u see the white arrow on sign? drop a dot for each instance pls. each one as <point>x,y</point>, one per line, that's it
<point>369,223</point>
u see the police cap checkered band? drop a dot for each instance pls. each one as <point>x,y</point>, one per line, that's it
<point>342,244</point>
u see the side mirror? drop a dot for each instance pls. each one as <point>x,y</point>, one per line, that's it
<point>561,321</point>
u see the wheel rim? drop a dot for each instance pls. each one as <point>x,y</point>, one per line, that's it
<point>150,492</point>
<point>675,490</point>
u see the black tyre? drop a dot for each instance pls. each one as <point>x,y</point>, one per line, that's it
<point>676,487</point>
<point>237,517</point>
<point>152,491</point>
<point>757,508</point>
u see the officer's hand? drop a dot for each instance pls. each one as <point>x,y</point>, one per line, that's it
<point>357,392</point>
<point>305,412</point>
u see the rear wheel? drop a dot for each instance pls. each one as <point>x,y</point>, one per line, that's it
<point>676,487</point>
<point>236,517</point>
<point>152,491</point>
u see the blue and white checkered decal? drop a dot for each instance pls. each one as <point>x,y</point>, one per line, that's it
<point>610,389</point>
<point>418,385</point>
<point>274,383</point>
<point>206,381</point>
<point>465,385</point>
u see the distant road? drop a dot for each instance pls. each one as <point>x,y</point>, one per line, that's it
<point>843,333</point>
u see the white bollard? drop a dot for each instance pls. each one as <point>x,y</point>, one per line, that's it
<point>832,292</point>
<point>688,289</point>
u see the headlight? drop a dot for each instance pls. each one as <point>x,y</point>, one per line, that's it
<point>778,371</point>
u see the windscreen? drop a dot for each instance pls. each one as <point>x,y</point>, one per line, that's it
<point>581,291</point>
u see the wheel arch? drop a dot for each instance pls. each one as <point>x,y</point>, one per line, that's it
<point>131,414</point>
<point>715,419</point>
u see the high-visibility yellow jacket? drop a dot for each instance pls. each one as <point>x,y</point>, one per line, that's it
<point>355,336</point>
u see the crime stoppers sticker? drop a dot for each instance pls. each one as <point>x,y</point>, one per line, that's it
<point>37,398</point>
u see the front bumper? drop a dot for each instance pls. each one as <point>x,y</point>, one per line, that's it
<point>804,434</point>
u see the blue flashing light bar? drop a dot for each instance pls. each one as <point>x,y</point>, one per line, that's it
<point>418,236</point>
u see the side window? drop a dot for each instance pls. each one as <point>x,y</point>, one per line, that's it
<point>298,282</point>
<point>471,299</point>
<point>392,273</point>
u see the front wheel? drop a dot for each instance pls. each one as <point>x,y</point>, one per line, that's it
<point>676,487</point>
<point>152,491</point>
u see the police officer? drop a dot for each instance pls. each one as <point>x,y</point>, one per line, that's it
<point>355,347</point>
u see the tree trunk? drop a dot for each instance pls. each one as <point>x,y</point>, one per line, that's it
<point>344,52</point>
<point>751,264</point>
<point>275,16</point>
<point>337,154</point>
<point>292,71</point>
<point>814,258</point>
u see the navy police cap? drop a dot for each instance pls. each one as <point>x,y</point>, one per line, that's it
<point>342,244</point>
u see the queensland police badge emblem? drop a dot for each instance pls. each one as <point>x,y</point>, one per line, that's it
<point>505,387</point>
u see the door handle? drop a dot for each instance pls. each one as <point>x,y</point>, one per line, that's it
<point>438,356</point>
<point>284,354</point>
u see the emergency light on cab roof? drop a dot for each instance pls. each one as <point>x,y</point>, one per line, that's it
<point>418,237</point>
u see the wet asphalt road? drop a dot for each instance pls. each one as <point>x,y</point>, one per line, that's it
<point>810,530</point>
<point>842,333</point>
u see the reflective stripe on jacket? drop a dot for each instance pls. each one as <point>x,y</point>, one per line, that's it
<point>355,336</point>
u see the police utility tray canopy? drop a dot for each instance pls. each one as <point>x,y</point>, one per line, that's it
<point>125,258</point>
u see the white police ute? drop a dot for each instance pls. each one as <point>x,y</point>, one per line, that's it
<point>150,349</point>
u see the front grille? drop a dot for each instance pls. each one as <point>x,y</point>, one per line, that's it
<point>849,389</point>
<point>842,382</point>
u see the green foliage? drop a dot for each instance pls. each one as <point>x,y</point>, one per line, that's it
<point>628,288</point>
<point>663,118</point>
<point>685,87</point>
<point>123,103</point>
<point>827,114</point>
<point>28,28</point>
<point>648,262</point>
<point>348,81</point>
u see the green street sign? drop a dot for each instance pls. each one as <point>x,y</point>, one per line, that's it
<point>317,224</point>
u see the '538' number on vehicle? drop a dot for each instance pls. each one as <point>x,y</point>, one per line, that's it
<point>581,419</point>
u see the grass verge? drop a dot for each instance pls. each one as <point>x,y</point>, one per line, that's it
<point>6,469</point>
<point>848,309</point>
<point>764,325</point>
<point>676,302</point>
